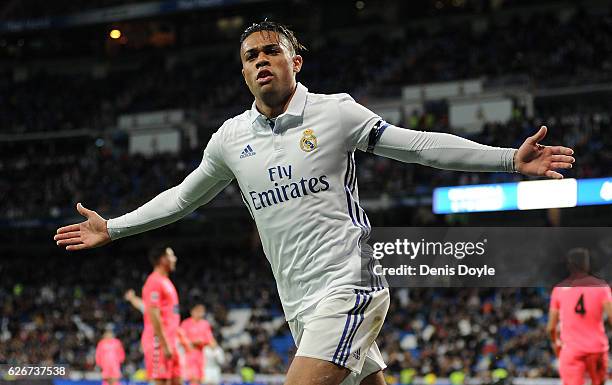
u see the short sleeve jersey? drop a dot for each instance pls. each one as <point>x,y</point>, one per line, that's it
<point>109,352</point>
<point>581,316</point>
<point>199,330</point>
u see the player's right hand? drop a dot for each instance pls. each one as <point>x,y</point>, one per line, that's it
<point>85,235</point>
<point>167,351</point>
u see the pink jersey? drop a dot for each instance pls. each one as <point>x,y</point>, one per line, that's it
<point>581,316</point>
<point>158,291</point>
<point>109,352</point>
<point>197,331</point>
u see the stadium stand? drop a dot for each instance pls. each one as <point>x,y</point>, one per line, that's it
<point>378,66</point>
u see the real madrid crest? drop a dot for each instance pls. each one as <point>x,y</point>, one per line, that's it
<point>309,141</point>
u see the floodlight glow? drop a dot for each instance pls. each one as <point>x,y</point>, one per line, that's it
<point>115,34</point>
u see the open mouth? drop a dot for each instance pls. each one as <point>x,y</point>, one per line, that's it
<point>264,76</point>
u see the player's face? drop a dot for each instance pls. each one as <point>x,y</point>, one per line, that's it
<point>170,259</point>
<point>197,312</point>
<point>268,65</point>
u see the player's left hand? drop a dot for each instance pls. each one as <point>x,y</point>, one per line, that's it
<point>129,295</point>
<point>534,159</point>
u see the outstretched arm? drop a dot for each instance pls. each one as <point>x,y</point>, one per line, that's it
<point>452,152</point>
<point>198,188</point>
<point>169,206</point>
<point>134,300</point>
<point>368,132</point>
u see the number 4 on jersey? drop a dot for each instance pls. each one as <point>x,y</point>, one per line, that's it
<point>579,308</point>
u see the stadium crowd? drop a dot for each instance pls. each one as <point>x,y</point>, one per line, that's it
<point>377,67</point>
<point>56,313</point>
<point>518,47</point>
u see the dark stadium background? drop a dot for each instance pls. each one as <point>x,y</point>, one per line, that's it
<point>64,89</point>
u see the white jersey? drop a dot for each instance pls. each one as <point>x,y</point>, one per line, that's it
<point>212,368</point>
<point>298,181</point>
<point>297,177</point>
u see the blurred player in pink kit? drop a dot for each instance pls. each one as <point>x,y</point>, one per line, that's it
<point>109,356</point>
<point>199,333</point>
<point>579,303</point>
<point>161,320</point>
<point>184,343</point>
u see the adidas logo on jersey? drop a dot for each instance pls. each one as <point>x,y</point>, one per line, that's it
<point>357,354</point>
<point>248,151</point>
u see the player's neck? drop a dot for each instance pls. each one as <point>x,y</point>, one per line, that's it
<point>161,270</point>
<point>579,274</point>
<point>274,105</point>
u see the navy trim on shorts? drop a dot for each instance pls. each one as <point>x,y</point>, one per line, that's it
<point>356,314</point>
<point>354,333</point>
<point>346,326</point>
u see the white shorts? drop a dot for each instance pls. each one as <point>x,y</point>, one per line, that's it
<point>341,328</point>
<point>212,375</point>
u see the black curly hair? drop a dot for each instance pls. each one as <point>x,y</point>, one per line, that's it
<point>157,252</point>
<point>280,29</point>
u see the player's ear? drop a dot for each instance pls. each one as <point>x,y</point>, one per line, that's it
<point>297,63</point>
<point>243,75</point>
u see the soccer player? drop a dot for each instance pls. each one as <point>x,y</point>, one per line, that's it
<point>292,155</point>
<point>199,333</point>
<point>161,320</point>
<point>578,303</point>
<point>109,356</point>
<point>184,343</point>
